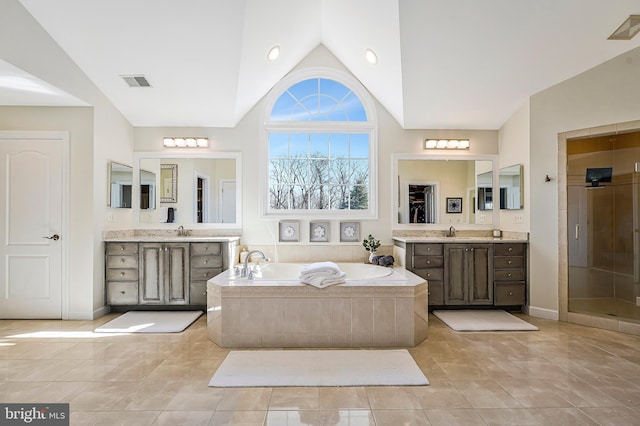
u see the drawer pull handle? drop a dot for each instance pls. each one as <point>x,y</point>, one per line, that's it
<point>122,274</point>
<point>122,292</point>
<point>509,274</point>
<point>428,275</point>
<point>122,260</point>
<point>428,262</point>
<point>510,293</point>
<point>510,249</point>
<point>205,262</point>
<point>121,248</point>
<point>428,248</point>
<point>509,262</point>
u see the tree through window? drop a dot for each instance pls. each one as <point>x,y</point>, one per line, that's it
<point>319,149</point>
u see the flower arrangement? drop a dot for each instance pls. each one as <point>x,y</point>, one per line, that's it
<point>371,244</point>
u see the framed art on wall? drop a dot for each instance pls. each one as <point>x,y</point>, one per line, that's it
<point>289,231</point>
<point>349,232</point>
<point>454,205</point>
<point>319,231</point>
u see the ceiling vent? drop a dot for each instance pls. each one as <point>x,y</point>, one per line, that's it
<point>136,80</point>
<point>628,29</point>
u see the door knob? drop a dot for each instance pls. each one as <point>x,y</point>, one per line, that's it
<point>54,237</point>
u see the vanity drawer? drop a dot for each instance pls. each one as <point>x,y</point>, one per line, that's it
<point>508,275</point>
<point>428,262</point>
<point>428,249</point>
<point>121,274</point>
<point>122,248</point>
<point>435,295</point>
<point>122,293</point>
<point>430,274</point>
<point>198,293</point>
<point>205,248</point>
<point>122,261</point>
<point>206,262</point>
<point>203,274</point>
<point>508,249</point>
<point>505,262</point>
<point>509,294</point>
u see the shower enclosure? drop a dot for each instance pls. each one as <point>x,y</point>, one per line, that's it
<point>603,190</point>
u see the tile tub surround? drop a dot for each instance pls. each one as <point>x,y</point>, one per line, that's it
<point>387,312</point>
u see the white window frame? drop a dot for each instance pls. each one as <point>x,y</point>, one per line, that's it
<point>369,127</point>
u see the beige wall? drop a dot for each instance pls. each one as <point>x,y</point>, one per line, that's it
<point>98,133</point>
<point>607,94</point>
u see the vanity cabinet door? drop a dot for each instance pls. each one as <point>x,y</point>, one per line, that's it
<point>164,273</point>
<point>468,274</point>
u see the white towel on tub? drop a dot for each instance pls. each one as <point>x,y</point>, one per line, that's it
<point>328,268</point>
<point>321,274</point>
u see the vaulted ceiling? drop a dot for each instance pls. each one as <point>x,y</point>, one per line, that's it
<point>464,64</point>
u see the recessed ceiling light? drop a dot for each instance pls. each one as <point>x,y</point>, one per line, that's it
<point>371,56</point>
<point>138,80</point>
<point>273,54</point>
<point>628,29</point>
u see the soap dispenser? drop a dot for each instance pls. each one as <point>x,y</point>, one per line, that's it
<point>243,254</point>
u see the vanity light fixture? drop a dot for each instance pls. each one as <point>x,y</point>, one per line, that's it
<point>186,142</point>
<point>446,144</point>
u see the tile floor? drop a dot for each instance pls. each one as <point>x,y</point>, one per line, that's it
<point>564,374</point>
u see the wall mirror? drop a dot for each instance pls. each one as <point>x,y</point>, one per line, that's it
<point>120,180</point>
<point>434,190</point>
<point>511,187</point>
<point>201,190</point>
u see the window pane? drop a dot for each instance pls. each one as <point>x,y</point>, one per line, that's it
<point>278,145</point>
<point>319,145</point>
<point>354,108</point>
<point>299,145</point>
<point>334,89</point>
<point>299,197</point>
<point>282,108</point>
<point>319,198</point>
<point>339,145</point>
<point>359,146</point>
<point>304,88</point>
<point>339,197</point>
<point>359,197</point>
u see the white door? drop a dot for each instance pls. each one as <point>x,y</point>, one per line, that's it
<point>31,230</point>
<point>228,201</point>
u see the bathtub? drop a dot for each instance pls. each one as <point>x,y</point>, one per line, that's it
<point>376,307</point>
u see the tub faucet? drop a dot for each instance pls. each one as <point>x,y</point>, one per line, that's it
<point>245,271</point>
<point>452,231</point>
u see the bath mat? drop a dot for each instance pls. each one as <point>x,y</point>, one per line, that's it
<point>274,368</point>
<point>150,322</point>
<point>483,320</point>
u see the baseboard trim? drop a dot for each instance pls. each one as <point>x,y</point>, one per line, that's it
<point>545,313</point>
<point>101,311</point>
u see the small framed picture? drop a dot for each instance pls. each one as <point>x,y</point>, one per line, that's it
<point>454,205</point>
<point>349,232</point>
<point>289,230</point>
<point>319,232</point>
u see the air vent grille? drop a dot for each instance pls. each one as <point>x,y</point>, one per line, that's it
<point>136,80</point>
<point>628,29</point>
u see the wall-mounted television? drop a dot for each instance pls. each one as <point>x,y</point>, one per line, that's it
<point>596,175</point>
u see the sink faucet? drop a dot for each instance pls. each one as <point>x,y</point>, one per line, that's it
<point>245,272</point>
<point>452,231</point>
<point>183,232</point>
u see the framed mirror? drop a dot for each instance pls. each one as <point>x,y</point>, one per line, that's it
<point>439,190</point>
<point>511,187</point>
<point>200,190</point>
<point>119,185</point>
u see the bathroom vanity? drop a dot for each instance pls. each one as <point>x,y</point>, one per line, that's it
<point>468,271</point>
<point>154,272</point>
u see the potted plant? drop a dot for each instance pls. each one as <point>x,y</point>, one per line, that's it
<point>371,245</point>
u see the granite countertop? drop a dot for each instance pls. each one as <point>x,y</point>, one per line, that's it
<point>441,239</point>
<point>174,239</point>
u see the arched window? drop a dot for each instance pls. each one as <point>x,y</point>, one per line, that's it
<point>320,147</point>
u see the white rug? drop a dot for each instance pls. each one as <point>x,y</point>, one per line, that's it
<point>483,320</point>
<point>150,322</point>
<point>273,368</point>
